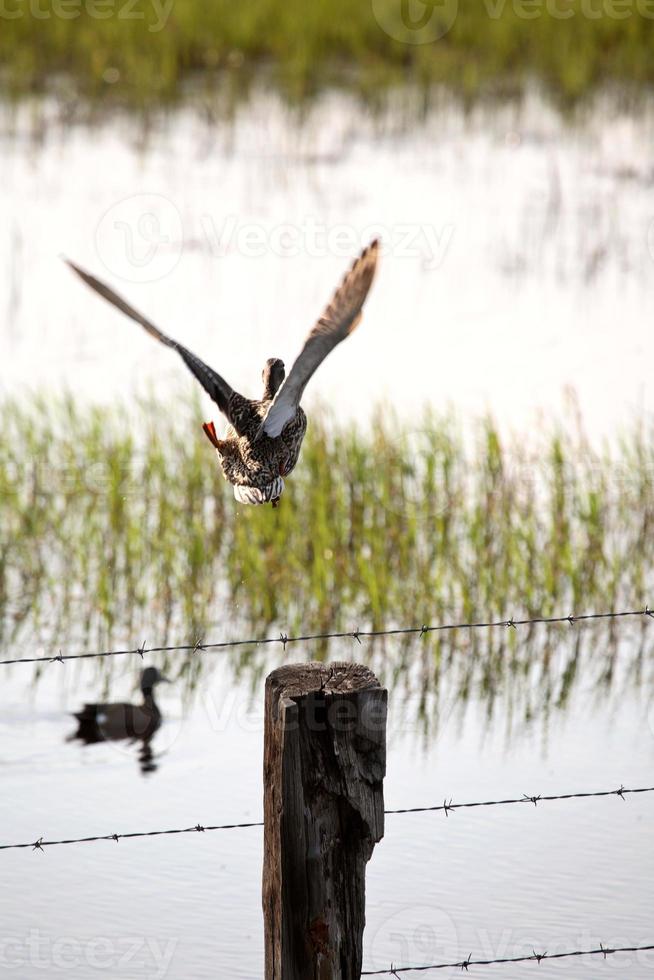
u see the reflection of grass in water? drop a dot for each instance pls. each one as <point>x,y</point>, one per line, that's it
<point>127,52</point>
<point>103,533</point>
<point>113,529</point>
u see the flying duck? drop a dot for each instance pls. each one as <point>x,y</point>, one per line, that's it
<point>263,438</point>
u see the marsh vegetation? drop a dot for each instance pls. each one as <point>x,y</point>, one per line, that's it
<point>144,51</point>
<point>111,523</point>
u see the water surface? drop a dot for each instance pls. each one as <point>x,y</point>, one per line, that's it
<point>518,265</point>
<point>490,882</point>
<point>513,238</point>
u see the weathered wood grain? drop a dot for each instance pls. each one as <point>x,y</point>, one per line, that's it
<point>324,764</point>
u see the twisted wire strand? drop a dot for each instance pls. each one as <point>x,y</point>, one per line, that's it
<point>534,957</point>
<point>445,808</point>
<point>201,647</point>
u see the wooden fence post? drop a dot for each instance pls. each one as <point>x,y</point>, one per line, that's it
<point>324,764</point>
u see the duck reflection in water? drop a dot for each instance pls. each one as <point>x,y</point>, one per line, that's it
<point>121,720</point>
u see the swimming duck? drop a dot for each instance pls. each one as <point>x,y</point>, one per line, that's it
<point>263,438</point>
<point>108,722</point>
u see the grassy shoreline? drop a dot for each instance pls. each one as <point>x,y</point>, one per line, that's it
<point>109,524</point>
<point>144,51</point>
<point>115,529</point>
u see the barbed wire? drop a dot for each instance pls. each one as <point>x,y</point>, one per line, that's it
<point>450,807</point>
<point>40,844</point>
<point>534,957</point>
<point>201,647</point>
<point>445,808</point>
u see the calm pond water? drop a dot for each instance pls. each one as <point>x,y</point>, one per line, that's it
<point>493,882</point>
<point>513,239</point>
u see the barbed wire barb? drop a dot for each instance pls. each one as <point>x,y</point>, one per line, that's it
<point>451,807</point>
<point>445,808</point>
<point>533,957</point>
<point>357,634</point>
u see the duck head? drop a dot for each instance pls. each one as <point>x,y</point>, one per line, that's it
<point>273,374</point>
<point>150,677</point>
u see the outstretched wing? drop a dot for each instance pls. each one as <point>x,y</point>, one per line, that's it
<point>215,386</point>
<point>340,318</point>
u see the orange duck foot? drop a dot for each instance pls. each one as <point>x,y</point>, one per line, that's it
<point>210,433</point>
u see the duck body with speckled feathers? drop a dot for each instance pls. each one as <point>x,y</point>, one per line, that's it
<point>262,442</point>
